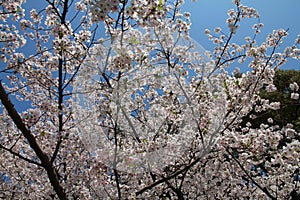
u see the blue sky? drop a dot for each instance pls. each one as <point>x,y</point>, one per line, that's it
<point>274,14</point>
<point>208,14</point>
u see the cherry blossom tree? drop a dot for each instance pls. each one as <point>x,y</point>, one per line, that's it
<point>142,112</point>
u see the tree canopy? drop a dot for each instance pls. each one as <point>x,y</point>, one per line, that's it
<point>143,112</point>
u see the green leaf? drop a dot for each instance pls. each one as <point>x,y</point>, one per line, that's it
<point>19,9</point>
<point>134,41</point>
<point>160,5</point>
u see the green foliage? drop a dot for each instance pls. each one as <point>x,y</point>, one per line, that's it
<point>160,5</point>
<point>289,108</point>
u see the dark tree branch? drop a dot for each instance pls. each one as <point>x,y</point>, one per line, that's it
<point>115,168</point>
<point>177,191</point>
<point>20,156</point>
<point>60,90</point>
<point>118,183</point>
<point>217,66</point>
<point>164,179</point>
<point>264,189</point>
<point>45,161</point>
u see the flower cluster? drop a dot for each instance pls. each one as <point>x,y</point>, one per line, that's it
<point>10,40</point>
<point>31,117</point>
<point>294,87</point>
<point>147,13</point>
<point>11,8</point>
<point>100,9</point>
<point>122,62</point>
